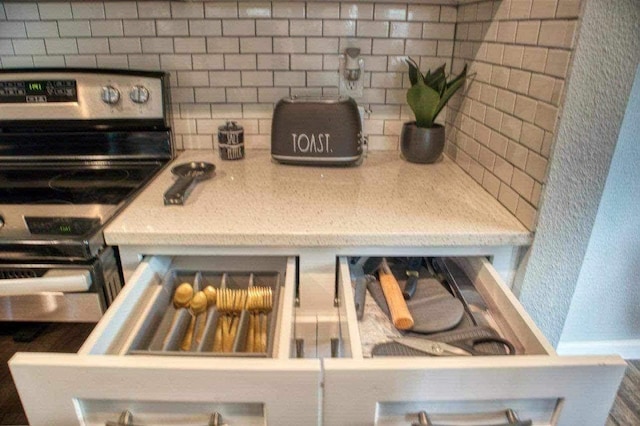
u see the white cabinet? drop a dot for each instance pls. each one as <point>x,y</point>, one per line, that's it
<point>104,378</point>
<point>538,385</point>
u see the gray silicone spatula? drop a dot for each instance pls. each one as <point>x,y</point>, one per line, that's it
<point>437,314</point>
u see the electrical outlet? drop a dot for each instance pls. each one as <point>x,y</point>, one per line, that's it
<point>351,76</point>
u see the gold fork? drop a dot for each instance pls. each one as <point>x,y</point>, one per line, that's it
<point>253,306</point>
<point>232,302</point>
<point>266,304</point>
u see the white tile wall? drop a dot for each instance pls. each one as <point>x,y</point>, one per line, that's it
<point>234,60</point>
<point>519,52</point>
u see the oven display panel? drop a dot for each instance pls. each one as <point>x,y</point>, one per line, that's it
<point>71,226</point>
<point>38,91</point>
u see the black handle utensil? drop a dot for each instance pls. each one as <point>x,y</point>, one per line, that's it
<point>413,268</point>
<point>188,175</point>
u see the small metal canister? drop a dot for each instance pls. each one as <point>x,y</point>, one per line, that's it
<point>231,141</point>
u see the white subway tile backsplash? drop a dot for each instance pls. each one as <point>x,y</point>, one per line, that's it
<point>6,47</point>
<point>254,10</point>
<point>257,78</point>
<point>205,27</point>
<point>557,63</point>
<point>223,45</point>
<point>177,27</point>
<point>61,46</point>
<point>323,10</point>
<point>48,61</point>
<point>568,9</point>
<point>289,78</point>
<point>125,45</point>
<point>288,44</point>
<point>209,94</point>
<point>272,94</point>
<point>273,62</point>
<point>195,111</point>
<point>546,116</point>
<point>392,12</point>
<point>88,10</point>
<point>194,141</point>
<point>339,28</point>
<point>406,30</point>
<point>244,94</point>
<point>330,62</point>
<point>224,78</point>
<point>534,59</point>
<point>37,29</point>
<point>20,11</point>
<point>81,61</point>
<point>193,78</point>
<point>303,28</point>
<point>240,62</point>
<point>112,61</point>
<point>144,62</point>
<point>438,31</point>
<point>106,28</point>
<point>121,10</point>
<point>74,29</point>
<point>321,45</point>
<point>139,27</point>
<point>322,78</point>
<point>356,10</point>
<point>221,10</point>
<point>557,33</point>
<point>187,9</point>
<point>421,47</point>
<point>306,62</point>
<point>176,62</point>
<point>373,29</point>
<point>207,62</point>
<point>55,10</point>
<point>242,27</point>
<point>29,47</point>
<point>3,16</point>
<point>292,9</point>
<point>157,45</point>
<point>423,13</point>
<point>93,45</point>
<point>388,47</point>
<point>256,45</point>
<point>189,45</point>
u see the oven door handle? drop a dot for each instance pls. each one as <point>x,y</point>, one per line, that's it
<point>55,280</point>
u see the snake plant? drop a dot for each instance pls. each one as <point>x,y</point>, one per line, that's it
<point>429,93</point>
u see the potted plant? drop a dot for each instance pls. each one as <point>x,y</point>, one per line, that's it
<point>422,141</point>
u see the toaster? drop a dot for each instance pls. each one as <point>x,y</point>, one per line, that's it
<point>317,131</point>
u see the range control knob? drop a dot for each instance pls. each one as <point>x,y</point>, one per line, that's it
<point>139,94</point>
<point>110,95</point>
<point>1,222</point>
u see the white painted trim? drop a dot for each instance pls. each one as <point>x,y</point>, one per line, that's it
<point>627,349</point>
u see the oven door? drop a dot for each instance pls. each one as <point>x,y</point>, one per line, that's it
<point>58,292</point>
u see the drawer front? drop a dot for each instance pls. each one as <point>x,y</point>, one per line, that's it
<point>539,385</point>
<point>99,382</point>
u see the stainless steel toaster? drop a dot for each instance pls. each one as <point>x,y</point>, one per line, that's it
<point>318,131</point>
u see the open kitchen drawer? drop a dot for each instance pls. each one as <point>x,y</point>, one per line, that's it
<point>536,383</point>
<point>109,376</point>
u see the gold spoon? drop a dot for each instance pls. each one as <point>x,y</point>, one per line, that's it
<point>211,294</point>
<point>181,298</point>
<point>197,306</point>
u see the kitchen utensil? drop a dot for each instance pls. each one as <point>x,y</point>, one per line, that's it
<point>181,298</point>
<point>442,270</point>
<point>197,306</point>
<point>412,271</point>
<point>188,174</point>
<point>482,338</point>
<point>375,289</point>
<point>231,141</point>
<point>211,295</point>
<point>231,303</point>
<point>259,301</point>
<point>360,280</point>
<point>400,315</point>
<point>324,131</point>
<point>435,314</point>
<point>265,308</point>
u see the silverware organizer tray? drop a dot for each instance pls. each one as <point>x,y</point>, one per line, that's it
<point>164,326</point>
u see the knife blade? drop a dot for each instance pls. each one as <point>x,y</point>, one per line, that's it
<point>412,271</point>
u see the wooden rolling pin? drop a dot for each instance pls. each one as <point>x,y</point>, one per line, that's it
<point>400,315</point>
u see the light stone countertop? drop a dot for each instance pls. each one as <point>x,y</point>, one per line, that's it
<point>383,202</point>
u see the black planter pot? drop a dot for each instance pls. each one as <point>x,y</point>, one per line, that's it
<point>421,145</point>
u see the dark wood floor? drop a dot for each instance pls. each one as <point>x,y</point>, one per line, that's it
<point>53,338</point>
<point>69,338</point>
<point>626,408</point>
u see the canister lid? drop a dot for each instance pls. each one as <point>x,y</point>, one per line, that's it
<point>230,126</point>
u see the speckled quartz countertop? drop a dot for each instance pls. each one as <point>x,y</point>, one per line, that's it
<point>383,202</point>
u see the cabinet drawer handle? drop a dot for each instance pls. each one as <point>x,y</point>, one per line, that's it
<point>126,419</point>
<point>512,420</point>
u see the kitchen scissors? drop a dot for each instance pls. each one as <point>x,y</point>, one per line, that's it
<point>462,348</point>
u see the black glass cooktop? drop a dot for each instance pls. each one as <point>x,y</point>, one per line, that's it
<point>79,184</point>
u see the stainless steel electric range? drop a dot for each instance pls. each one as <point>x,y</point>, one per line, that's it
<point>75,147</point>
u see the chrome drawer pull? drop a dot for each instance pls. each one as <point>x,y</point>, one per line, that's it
<point>512,419</point>
<point>126,419</point>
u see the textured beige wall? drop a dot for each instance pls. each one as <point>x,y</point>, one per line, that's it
<point>501,130</point>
